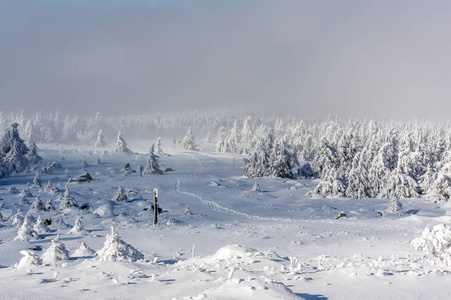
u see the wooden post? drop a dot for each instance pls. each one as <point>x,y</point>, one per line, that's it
<point>155,206</point>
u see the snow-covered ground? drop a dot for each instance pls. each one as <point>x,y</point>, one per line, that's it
<point>215,238</point>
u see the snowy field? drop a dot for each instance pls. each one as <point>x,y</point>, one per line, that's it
<point>215,238</point>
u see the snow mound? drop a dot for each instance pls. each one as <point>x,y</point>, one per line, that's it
<point>255,289</point>
<point>435,241</point>
<point>105,210</point>
<point>116,249</point>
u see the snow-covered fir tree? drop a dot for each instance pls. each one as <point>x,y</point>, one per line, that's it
<point>67,200</point>
<point>14,151</point>
<point>120,195</point>
<point>153,167</point>
<point>33,156</point>
<point>78,228</point>
<point>49,205</point>
<point>158,149</point>
<point>188,141</point>
<point>270,160</point>
<point>30,259</point>
<point>394,207</point>
<point>55,253</point>
<point>39,226</point>
<point>101,141</point>
<point>17,218</point>
<point>26,231</point>
<point>115,249</point>
<point>121,145</point>
<point>37,182</point>
<point>37,205</point>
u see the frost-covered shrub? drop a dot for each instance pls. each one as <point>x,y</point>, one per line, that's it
<point>436,241</point>
<point>115,249</point>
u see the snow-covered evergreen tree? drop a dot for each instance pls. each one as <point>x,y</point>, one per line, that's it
<point>101,142</point>
<point>121,145</point>
<point>153,167</point>
<point>39,226</point>
<point>394,207</point>
<point>37,182</point>
<point>120,195</point>
<point>115,249</point>
<point>30,259</point>
<point>26,231</point>
<point>56,252</point>
<point>49,205</point>
<point>78,228</point>
<point>14,151</point>
<point>37,205</point>
<point>18,218</point>
<point>188,141</point>
<point>158,149</point>
<point>33,156</point>
<point>67,200</point>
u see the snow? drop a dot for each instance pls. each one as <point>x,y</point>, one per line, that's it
<point>213,241</point>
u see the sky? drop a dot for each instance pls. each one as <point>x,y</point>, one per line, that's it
<point>364,59</point>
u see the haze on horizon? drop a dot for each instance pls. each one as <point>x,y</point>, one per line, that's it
<point>365,59</point>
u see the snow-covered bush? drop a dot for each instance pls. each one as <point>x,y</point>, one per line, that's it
<point>115,249</point>
<point>436,241</point>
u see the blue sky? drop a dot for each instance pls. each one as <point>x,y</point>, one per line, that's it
<point>374,59</point>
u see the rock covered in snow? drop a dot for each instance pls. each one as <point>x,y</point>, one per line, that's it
<point>115,249</point>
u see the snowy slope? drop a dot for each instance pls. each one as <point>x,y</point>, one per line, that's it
<point>216,238</point>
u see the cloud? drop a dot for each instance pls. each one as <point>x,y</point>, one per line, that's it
<point>384,59</point>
